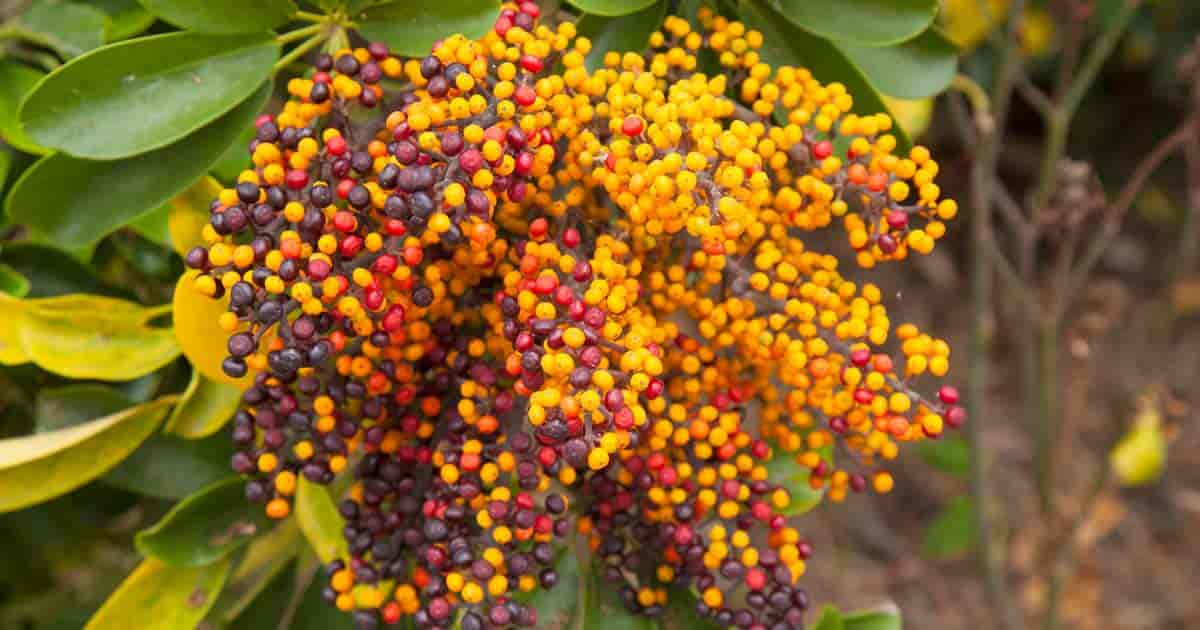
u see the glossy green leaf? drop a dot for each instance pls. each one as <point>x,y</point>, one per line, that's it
<point>869,22</point>
<point>952,455</point>
<point>90,337</point>
<point>920,67</point>
<point>204,527</point>
<point>43,466</point>
<point>126,18</point>
<point>622,34</point>
<point>205,408</point>
<point>16,81</point>
<point>170,467</point>
<point>12,282</point>
<point>257,577</point>
<point>952,531</point>
<point>155,225</point>
<point>830,619</point>
<point>603,609</point>
<point>222,16</point>
<point>872,621</point>
<point>159,597</point>
<point>69,202</point>
<point>51,273</point>
<point>681,614</point>
<point>611,8</point>
<point>318,518</point>
<point>61,407</point>
<point>235,159</point>
<point>68,28</point>
<point>171,85</point>
<point>562,605</point>
<point>784,44</point>
<point>293,600</point>
<point>784,470</point>
<point>5,165</point>
<point>411,28</point>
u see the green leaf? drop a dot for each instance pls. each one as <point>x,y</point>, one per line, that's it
<point>154,225</point>
<point>68,28</point>
<point>50,273</point>
<point>170,467</point>
<point>952,455</point>
<point>626,33</point>
<point>235,159</point>
<point>257,578</point>
<point>830,619</point>
<point>872,621</point>
<point>222,16</point>
<point>866,22</point>
<point>604,610</point>
<point>952,531</point>
<point>301,583</point>
<point>411,28</point>
<point>205,408</point>
<point>205,527</point>
<point>158,597</point>
<point>61,407</point>
<point>43,466</point>
<point>16,81</point>
<point>783,469</point>
<point>5,165</point>
<point>127,18</point>
<point>560,606</point>
<point>143,94</point>
<point>681,613</point>
<point>920,67</point>
<point>69,202</point>
<point>786,45</point>
<point>12,282</point>
<point>611,8</point>
<point>319,520</point>
<point>88,336</point>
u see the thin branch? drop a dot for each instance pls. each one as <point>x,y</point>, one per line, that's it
<point>1115,212</point>
<point>1030,306</point>
<point>1058,123</point>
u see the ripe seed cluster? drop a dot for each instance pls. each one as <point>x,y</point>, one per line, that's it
<point>519,300</point>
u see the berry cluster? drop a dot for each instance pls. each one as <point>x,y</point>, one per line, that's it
<point>519,301</point>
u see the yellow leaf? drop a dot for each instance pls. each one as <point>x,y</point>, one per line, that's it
<point>11,350</point>
<point>158,597</point>
<point>86,336</point>
<point>319,520</point>
<point>967,25</point>
<point>913,115</point>
<point>1141,454</point>
<point>199,333</point>
<point>205,408</point>
<point>39,467</point>
<point>189,214</point>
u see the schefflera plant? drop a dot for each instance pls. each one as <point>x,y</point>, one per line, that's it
<point>524,302</point>
<point>520,312</point>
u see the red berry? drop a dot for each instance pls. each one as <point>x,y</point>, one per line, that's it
<point>822,149</point>
<point>632,126</point>
<point>948,395</point>
<point>296,179</point>
<point>336,145</point>
<point>531,63</point>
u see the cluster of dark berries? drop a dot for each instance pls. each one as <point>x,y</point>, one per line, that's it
<point>517,302</point>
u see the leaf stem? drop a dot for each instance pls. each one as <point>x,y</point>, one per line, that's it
<point>299,51</point>
<point>309,16</point>
<point>299,33</point>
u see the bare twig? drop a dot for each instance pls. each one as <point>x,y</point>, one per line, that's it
<point>1115,212</point>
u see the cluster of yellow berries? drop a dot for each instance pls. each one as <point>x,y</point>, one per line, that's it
<point>583,298</point>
